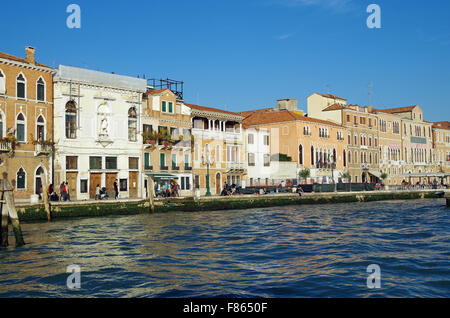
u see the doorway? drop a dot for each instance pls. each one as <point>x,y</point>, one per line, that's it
<point>218,184</point>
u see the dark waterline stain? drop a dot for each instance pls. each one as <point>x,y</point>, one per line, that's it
<point>295,251</point>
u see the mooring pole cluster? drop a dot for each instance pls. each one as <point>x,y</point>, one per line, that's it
<point>9,213</point>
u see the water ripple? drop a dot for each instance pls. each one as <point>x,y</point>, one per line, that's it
<point>305,251</point>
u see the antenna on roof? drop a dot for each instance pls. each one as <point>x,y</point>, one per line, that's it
<point>369,92</point>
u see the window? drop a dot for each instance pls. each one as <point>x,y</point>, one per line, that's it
<point>111,163</point>
<point>162,160</point>
<point>83,186</point>
<point>147,128</point>
<point>266,140</point>
<point>266,160</point>
<point>197,182</point>
<point>300,154</point>
<point>349,139</point>
<point>132,124</point>
<point>40,90</point>
<point>251,159</point>
<point>123,184</point>
<point>186,162</point>
<point>21,179</point>
<point>174,160</point>
<point>20,128</point>
<point>164,106</point>
<point>20,82</point>
<point>40,129</point>
<point>170,107</point>
<point>95,163</point>
<point>71,163</point>
<point>2,83</point>
<point>133,163</point>
<point>312,155</point>
<point>251,139</point>
<point>345,159</point>
<point>146,161</point>
<point>348,118</point>
<point>71,119</point>
<point>1,126</point>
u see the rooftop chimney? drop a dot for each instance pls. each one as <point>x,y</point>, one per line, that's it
<point>287,104</point>
<point>30,54</point>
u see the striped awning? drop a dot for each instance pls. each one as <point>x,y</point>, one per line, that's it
<point>162,176</point>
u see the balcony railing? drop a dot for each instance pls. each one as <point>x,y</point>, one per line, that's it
<point>175,168</point>
<point>148,168</point>
<point>5,146</point>
<point>162,168</point>
<point>42,149</point>
<point>235,166</point>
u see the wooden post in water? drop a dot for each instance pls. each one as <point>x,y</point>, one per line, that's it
<point>447,197</point>
<point>151,196</point>
<point>10,209</point>
<point>45,197</point>
<point>4,222</point>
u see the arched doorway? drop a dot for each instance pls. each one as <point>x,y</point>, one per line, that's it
<point>218,184</point>
<point>38,182</point>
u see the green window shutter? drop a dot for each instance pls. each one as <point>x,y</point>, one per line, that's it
<point>162,158</point>
<point>170,107</point>
<point>164,108</point>
<point>147,160</point>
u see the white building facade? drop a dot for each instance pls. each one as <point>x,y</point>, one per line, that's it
<point>96,130</point>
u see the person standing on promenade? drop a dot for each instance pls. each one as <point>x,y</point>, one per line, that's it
<point>67,191</point>
<point>97,193</point>
<point>61,194</point>
<point>116,189</point>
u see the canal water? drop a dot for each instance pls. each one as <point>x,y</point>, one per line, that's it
<point>296,251</point>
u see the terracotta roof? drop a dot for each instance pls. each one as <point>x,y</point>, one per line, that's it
<point>210,109</point>
<point>262,118</point>
<point>331,96</point>
<point>251,112</point>
<point>397,109</point>
<point>19,59</point>
<point>442,125</point>
<point>156,91</point>
<point>335,107</point>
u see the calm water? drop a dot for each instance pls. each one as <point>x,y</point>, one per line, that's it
<point>307,251</point>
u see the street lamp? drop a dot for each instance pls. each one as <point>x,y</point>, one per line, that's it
<point>207,160</point>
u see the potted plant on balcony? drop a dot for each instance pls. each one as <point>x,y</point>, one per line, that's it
<point>9,143</point>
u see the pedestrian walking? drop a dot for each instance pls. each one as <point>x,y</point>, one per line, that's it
<point>116,189</point>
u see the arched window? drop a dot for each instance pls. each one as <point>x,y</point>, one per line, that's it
<point>300,154</point>
<point>1,125</point>
<point>40,129</point>
<point>349,157</point>
<point>312,156</point>
<point>40,90</point>
<point>71,120</point>
<point>21,86</point>
<point>349,139</point>
<point>2,83</point>
<point>132,124</point>
<point>356,157</point>
<point>20,128</point>
<point>345,159</point>
<point>21,179</point>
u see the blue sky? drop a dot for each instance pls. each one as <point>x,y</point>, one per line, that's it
<point>245,54</point>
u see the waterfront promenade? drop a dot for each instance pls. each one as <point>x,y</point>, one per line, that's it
<point>90,208</point>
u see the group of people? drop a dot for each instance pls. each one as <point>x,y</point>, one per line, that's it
<point>64,192</point>
<point>424,185</point>
<point>230,190</point>
<point>100,193</point>
<point>171,189</point>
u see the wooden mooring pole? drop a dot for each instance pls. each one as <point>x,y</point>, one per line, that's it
<point>447,197</point>
<point>9,210</point>
<point>151,199</point>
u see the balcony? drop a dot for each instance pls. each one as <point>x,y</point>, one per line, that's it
<point>42,149</point>
<point>187,168</point>
<point>162,168</point>
<point>5,146</point>
<point>148,168</point>
<point>235,166</point>
<point>175,168</point>
<point>365,166</point>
